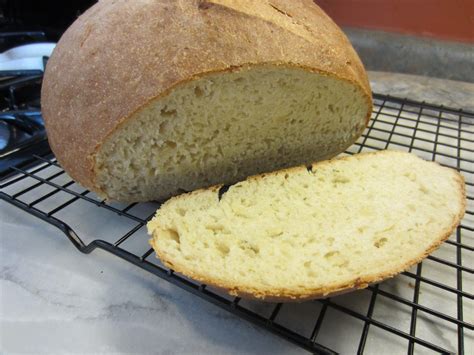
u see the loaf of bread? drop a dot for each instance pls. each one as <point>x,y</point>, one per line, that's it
<point>143,99</point>
<point>305,233</point>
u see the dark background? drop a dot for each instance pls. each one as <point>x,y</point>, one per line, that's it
<point>49,16</point>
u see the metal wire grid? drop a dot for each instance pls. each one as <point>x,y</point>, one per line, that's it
<point>426,309</point>
<point>22,131</point>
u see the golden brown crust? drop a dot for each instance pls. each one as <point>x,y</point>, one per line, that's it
<point>289,295</point>
<point>105,69</point>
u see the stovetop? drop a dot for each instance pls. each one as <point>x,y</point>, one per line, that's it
<point>22,130</point>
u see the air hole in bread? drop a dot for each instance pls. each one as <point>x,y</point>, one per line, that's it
<point>198,91</point>
<point>331,254</point>
<point>165,112</point>
<point>380,242</point>
<point>424,189</point>
<point>171,144</point>
<point>173,235</point>
<point>215,228</point>
<point>223,248</point>
<point>255,249</point>
<point>341,180</point>
<point>163,127</point>
<point>249,248</point>
<point>222,191</point>
<point>275,232</point>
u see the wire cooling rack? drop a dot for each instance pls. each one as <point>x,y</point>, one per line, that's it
<point>427,309</point>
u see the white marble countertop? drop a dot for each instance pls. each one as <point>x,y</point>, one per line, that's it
<point>56,300</point>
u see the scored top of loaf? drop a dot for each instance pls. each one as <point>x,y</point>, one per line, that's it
<point>120,55</point>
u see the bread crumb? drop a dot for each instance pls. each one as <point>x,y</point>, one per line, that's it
<point>289,233</point>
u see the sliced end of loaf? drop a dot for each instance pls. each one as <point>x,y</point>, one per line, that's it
<point>226,126</point>
<point>298,234</point>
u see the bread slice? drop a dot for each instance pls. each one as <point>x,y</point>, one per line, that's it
<point>305,233</point>
<point>144,99</point>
